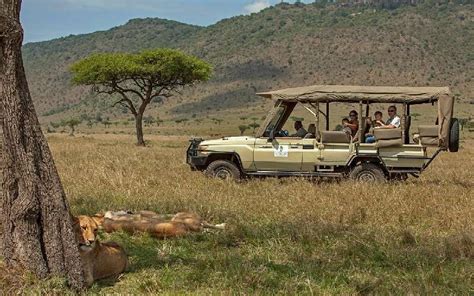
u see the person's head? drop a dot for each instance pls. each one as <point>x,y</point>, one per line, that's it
<point>353,115</point>
<point>392,111</point>
<point>345,120</point>
<point>378,115</point>
<point>298,124</point>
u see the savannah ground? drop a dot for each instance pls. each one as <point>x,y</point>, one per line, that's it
<point>285,235</point>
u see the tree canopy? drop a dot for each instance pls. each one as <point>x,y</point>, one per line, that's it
<point>169,67</point>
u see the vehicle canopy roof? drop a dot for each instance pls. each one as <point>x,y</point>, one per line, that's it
<point>355,94</point>
<point>375,94</point>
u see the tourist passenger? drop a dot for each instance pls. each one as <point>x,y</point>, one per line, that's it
<point>353,123</point>
<point>346,128</point>
<point>393,120</point>
<point>376,123</point>
<point>300,131</point>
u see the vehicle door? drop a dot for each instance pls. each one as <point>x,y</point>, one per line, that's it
<point>311,155</point>
<point>281,154</point>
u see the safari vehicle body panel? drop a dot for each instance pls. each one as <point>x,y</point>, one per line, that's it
<point>336,154</point>
<point>281,154</point>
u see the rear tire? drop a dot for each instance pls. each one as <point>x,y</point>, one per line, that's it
<point>223,169</point>
<point>367,172</point>
<point>454,135</point>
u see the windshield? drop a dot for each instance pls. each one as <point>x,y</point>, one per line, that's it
<point>275,120</point>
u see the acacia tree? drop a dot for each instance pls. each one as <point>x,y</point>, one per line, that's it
<point>37,228</point>
<point>71,123</point>
<point>139,78</point>
<point>243,128</point>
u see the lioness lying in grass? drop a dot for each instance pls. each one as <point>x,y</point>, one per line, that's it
<point>99,260</point>
<point>159,226</point>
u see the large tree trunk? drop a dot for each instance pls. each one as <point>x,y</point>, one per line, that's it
<point>37,228</point>
<point>139,127</point>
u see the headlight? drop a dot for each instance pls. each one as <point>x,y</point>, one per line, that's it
<point>202,147</point>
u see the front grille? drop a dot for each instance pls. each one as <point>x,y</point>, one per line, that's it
<point>193,148</point>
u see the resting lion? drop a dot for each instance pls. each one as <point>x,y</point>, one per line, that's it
<point>159,226</point>
<point>99,260</point>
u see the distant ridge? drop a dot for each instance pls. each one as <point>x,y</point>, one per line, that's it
<point>282,46</point>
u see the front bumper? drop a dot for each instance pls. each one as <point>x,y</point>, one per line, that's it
<point>193,158</point>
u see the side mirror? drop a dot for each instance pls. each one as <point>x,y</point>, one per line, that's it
<point>271,136</point>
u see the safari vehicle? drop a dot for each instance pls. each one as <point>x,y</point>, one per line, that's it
<point>326,153</point>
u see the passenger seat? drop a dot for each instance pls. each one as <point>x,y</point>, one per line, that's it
<point>428,135</point>
<point>311,131</point>
<point>388,137</point>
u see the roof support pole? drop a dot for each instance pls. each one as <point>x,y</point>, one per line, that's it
<point>408,125</point>
<point>361,136</point>
<point>403,124</point>
<point>327,116</point>
<point>317,120</point>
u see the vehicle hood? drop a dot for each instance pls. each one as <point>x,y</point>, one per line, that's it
<point>229,141</point>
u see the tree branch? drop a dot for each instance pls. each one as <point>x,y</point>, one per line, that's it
<point>125,101</point>
<point>125,90</point>
<point>137,82</point>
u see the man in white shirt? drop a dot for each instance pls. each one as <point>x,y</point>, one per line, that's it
<point>393,120</point>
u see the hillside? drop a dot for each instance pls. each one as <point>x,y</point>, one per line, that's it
<point>285,45</point>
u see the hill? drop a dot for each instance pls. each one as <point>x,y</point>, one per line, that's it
<point>285,45</point>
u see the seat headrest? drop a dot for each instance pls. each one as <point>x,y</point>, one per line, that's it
<point>428,130</point>
<point>335,137</point>
<point>312,128</point>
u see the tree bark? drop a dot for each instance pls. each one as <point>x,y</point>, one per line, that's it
<point>139,118</point>
<point>37,227</point>
<point>139,128</point>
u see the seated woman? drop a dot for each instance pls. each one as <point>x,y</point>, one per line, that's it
<point>353,122</point>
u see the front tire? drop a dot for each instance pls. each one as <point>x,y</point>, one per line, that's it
<point>223,169</point>
<point>367,172</point>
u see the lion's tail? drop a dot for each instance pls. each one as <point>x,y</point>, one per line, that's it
<point>221,226</point>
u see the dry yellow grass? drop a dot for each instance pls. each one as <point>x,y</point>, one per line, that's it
<point>113,169</point>
<point>286,235</point>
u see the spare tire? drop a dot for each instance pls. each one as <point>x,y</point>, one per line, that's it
<point>453,144</point>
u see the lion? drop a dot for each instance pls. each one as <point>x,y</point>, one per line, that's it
<point>99,260</point>
<point>157,225</point>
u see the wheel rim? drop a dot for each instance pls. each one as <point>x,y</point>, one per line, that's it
<point>223,173</point>
<point>367,176</point>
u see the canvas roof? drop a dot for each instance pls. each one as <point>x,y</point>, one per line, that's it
<point>352,93</point>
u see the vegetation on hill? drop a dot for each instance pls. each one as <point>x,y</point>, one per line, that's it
<point>285,45</point>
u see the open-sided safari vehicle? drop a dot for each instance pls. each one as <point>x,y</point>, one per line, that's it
<point>324,153</point>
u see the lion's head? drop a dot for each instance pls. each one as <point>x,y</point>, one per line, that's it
<point>86,230</point>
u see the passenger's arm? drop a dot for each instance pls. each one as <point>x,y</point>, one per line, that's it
<point>352,126</point>
<point>383,125</point>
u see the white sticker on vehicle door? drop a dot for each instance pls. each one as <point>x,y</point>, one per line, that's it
<point>281,151</point>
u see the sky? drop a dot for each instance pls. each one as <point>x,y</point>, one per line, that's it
<point>49,19</point>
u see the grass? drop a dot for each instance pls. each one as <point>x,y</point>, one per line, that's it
<point>286,236</point>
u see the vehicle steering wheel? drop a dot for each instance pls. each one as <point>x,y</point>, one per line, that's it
<point>282,133</point>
